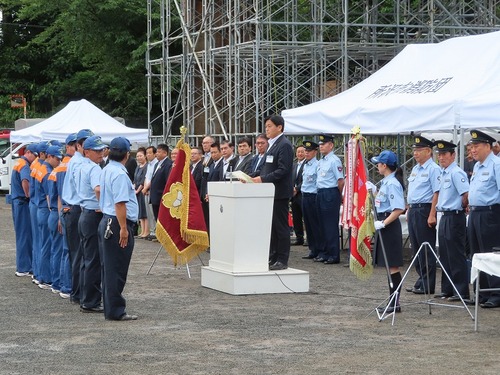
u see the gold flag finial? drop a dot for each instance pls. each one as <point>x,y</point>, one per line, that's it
<point>356,132</point>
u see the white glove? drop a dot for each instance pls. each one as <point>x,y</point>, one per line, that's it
<point>379,224</point>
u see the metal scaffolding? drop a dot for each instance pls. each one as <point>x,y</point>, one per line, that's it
<point>219,66</point>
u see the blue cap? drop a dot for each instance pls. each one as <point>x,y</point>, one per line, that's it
<point>55,143</point>
<point>94,143</point>
<point>33,148</point>
<point>55,151</point>
<point>43,146</point>
<point>84,134</point>
<point>70,138</point>
<point>386,157</point>
<point>120,144</point>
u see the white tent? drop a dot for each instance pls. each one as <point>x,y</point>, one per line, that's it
<point>75,116</point>
<point>426,87</point>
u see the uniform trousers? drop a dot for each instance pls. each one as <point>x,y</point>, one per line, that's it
<point>65,263</point>
<point>45,275</point>
<point>22,227</point>
<point>71,217</point>
<point>115,264</point>
<point>90,288</point>
<point>35,253</point>
<point>279,250</point>
<point>328,206</point>
<point>484,234</point>
<point>57,249</point>
<point>311,222</point>
<point>419,233</point>
<point>451,235</point>
<point>297,216</point>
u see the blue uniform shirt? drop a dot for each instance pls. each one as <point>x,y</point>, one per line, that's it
<point>69,191</point>
<point>41,184</point>
<point>33,170</point>
<point>20,171</point>
<point>390,195</point>
<point>116,187</point>
<point>87,180</point>
<point>53,194</point>
<point>423,182</point>
<point>485,182</point>
<point>454,183</point>
<point>329,171</point>
<point>309,176</point>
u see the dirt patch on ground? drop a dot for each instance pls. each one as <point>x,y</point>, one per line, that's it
<point>184,328</point>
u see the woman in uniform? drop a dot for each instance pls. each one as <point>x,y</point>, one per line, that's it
<point>389,204</point>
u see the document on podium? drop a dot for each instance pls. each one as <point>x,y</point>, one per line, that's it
<point>239,175</point>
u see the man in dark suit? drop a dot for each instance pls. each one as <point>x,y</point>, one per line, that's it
<point>298,223</point>
<point>278,170</point>
<point>215,170</point>
<point>244,160</point>
<point>197,167</point>
<point>160,177</point>
<point>261,145</point>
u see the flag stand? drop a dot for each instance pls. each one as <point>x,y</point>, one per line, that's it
<point>158,254</point>
<point>392,299</point>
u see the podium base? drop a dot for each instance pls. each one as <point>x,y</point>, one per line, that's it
<point>270,282</point>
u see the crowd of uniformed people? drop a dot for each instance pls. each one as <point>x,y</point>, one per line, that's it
<point>75,221</point>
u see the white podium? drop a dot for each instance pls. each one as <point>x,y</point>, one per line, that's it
<point>240,232</point>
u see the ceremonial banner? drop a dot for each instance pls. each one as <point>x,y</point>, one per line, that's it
<point>357,213</point>
<point>181,227</point>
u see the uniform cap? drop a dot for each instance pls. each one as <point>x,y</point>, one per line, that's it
<point>323,138</point>
<point>120,144</point>
<point>422,142</point>
<point>33,148</point>
<point>43,146</point>
<point>386,157</point>
<point>55,151</point>
<point>70,138</point>
<point>84,134</point>
<point>310,145</point>
<point>480,137</point>
<point>94,143</point>
<point>444,146</point>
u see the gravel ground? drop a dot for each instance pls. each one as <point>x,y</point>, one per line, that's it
<point>184,328</point>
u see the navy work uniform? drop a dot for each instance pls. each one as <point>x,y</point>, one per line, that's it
<point>88,180</point>
<point>116,189</point>
<point>309,193</point>
<point>452,226</point>
<point>484,212</point>
<point>330,170</point>
<point>21,213</point>
<point>423,183</point>
<point>71,200</point>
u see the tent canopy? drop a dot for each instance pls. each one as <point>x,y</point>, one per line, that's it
<point>75,116</point>
<point>426,87</point>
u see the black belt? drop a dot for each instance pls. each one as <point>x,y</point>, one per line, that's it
<point>383,215</point>
<point>325,189</point>
<point>420,205</point>
<point>129,222</point>
<point>308,194</point>
<point>452,212</point>
<point>92,211</point>
<point>485,208</point>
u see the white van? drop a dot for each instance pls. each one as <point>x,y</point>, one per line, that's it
<point>7,160</point>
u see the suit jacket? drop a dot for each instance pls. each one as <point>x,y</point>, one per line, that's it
<point>214,174</point>
<point>278,169</point>
<point>257,163</point>
<point>197,174</point>
<point>159,180</point>
<point>245,165</point>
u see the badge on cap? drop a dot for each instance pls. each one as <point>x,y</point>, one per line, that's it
<point>473,134</point>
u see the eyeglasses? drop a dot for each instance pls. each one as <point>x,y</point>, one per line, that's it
<point>260,143</point>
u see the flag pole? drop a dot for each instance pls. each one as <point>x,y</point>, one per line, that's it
<point>374,212</point>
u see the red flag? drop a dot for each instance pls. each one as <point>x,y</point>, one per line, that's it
<point>357,212</point>
<point>181,227</point>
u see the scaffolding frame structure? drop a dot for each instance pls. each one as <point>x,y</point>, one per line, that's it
<point>219,66</point>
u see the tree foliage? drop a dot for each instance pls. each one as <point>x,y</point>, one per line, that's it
<point>62,50</point>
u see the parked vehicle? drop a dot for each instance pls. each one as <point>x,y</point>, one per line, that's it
<point>7,160</point>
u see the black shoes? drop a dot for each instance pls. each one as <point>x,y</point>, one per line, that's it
<point>331,261</point>
<point>309,257</point>
<point>126,317</point>
<point>297,242</point>
<point>443,295</point>
<point>490,305</point>
<point>418,291</point>
<point>277,266</point>
<point>320,260</point>
<point>97,309</point>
